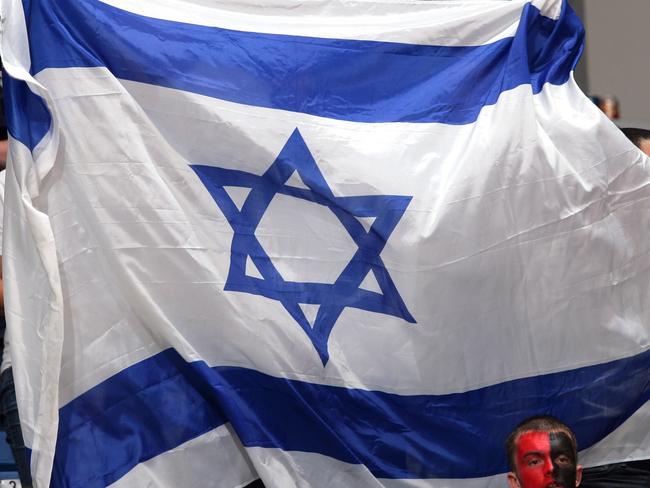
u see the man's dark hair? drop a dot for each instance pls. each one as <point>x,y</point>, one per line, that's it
<point>636,135</point>
<point>540,423</point>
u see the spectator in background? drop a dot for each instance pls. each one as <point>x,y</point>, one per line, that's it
<point>4,147</point>
<point>640,138</point>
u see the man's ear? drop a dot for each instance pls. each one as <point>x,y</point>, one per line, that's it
<point>578,475</point>
<point>513,481</point>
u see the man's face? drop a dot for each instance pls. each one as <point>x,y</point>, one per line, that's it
<point>545,460</point>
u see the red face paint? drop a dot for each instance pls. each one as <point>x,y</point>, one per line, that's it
<point>545,460</point>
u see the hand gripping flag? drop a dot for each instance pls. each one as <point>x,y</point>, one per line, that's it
<point>326,244</point>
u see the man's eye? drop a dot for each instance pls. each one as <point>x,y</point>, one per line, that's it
<point>563,460</point>
<point>534,461</point>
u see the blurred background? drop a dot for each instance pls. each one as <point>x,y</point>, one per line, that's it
<point>615,66</point>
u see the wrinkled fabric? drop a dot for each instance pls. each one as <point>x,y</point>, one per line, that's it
<point>316,244</point>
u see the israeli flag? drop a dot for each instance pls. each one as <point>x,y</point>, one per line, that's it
<point>325,244</point>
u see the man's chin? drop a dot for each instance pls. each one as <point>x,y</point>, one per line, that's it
<point>555,484</point>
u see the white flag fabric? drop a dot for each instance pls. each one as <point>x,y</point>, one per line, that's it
<point>324,244</point>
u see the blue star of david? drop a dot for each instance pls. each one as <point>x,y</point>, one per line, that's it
<point>332,298</point>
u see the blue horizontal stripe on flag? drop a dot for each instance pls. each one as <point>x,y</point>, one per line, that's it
<point>163,401</point>
<point>145,410</point>
<point>361,81</point>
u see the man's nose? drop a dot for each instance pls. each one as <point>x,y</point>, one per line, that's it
<point>548,467</point>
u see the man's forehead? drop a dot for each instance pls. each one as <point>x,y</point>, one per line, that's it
<point>561,443</point>
<point>543,436</point>
<point>533,441</point>
<point>560,437</point>
<point>543,440</point>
